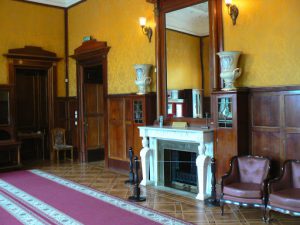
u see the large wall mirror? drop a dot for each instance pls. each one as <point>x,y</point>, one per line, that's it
<point>187,60</point>
<point>190,34</point>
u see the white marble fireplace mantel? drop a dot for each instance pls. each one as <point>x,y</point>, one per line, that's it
<point>150,153</point>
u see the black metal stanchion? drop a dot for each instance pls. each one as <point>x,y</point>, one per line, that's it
<point>137,191</point>
<point>213,201</point>
<point>131,173</point>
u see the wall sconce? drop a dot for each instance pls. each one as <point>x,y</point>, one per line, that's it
<point>233,11</point>
<point>146,30</point>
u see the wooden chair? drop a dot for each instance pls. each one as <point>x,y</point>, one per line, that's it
<point>59,143</point>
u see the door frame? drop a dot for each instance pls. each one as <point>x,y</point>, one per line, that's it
<point>33,57</point>
<point>90,53</point>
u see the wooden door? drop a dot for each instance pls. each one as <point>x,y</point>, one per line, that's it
<point>93,112</point>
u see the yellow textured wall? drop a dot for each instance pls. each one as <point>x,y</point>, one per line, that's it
<point>30,24</point>
<point>117,22</point>
<point>183,61</point>
<point>268,34</point>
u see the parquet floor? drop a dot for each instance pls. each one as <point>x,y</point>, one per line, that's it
<point>96,176</point>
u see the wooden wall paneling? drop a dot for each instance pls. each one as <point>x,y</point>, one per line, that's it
<point>150,113</point>
<point>275,124</point>
<point>124,120</point>
<point>61,113</point>
<point>243,122</point>
<point>292,125</point>
<point>65,108</point>
<point>292,145</point>
<point>266,110</point>
<point>116,134</point>
<point>224,145</point>
<point>292,110</point>
<point>267,143</point>
<point>72,122</point>
<point>129,129</point>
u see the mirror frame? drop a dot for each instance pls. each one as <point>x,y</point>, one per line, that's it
<point>215,45</point>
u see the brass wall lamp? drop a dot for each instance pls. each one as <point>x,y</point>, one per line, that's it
<point>146,30</point>
<point>233,11</point>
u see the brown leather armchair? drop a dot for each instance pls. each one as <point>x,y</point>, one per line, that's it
<point>246,182</point>
<point>284,192</point>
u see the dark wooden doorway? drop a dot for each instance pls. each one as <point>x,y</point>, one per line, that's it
<point>91,61</point>
<point>31,111</point>
<point>32,74</point>
<point>31,100</point>
<point>93,111</point>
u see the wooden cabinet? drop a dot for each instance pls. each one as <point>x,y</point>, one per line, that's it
<point>125,114</point>
<point>231,122</point>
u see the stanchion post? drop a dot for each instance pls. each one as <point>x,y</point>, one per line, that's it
<point>131,173</point>
<point>136,196</point>
<point>213,201</point>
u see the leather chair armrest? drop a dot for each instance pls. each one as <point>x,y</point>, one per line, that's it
<point>232,176</point>
<point>282,182</point>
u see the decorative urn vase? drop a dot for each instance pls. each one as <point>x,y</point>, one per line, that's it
<point>143,78</point>
<point>229,70</point>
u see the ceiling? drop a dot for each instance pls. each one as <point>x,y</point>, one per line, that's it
<point>59,3</point>
<point>192,20</point>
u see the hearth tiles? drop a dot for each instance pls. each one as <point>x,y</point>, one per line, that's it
<point>96,176</point>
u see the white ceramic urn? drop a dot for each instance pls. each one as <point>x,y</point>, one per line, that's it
<point>229,70</point>
<point>143,78</point>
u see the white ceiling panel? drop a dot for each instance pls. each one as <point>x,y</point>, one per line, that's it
<point>192,20</point>
<point>59,3</point>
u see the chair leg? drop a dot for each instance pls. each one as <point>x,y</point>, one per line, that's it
<point>57,156</point>
<point>267,215</point>
<point>263,213</point>
<point>71,154</point>
<point>222,207</point>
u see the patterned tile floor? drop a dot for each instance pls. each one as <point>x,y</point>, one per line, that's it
<point>96,176</point>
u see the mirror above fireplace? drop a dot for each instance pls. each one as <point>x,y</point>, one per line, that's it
<point>187,62</point>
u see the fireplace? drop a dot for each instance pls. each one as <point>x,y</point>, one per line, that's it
<point>180,170</point>
<point>161,145</point>
<point>177,165</point>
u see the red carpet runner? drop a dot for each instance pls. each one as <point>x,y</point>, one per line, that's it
<point>35,197</point>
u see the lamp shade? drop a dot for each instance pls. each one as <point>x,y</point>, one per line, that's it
<point>143,21</point>
<point>228,2</point>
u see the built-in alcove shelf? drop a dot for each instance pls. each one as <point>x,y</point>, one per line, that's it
<point>156,139</point>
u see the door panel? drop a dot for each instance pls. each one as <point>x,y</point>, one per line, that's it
<point>116,129</point>
<point>94,117</point>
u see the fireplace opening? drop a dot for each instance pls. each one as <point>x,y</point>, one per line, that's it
<point>180,170</point>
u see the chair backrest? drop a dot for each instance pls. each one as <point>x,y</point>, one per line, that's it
<point>253,169</point>
<point>295,166</point>
<point>58,136</point>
